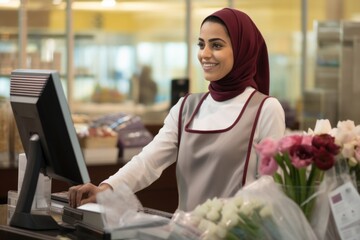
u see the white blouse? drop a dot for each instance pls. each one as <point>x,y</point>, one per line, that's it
<point>146,167</point>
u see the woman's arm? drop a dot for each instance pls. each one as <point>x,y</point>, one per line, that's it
<point>143,169</point>
<point>146,167</point>
<point>272,120</point>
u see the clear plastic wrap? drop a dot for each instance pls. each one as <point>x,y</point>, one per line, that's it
<point>323,221</point>
<point>122,211</point>
<point>258,211</point>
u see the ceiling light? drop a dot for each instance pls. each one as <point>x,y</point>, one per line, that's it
<point>108,3</point>
<point>56,2</point>
<point>9,3</point>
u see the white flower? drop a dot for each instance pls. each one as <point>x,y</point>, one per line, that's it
<point>221,231</point>
<point>216,204</point>
<point>229,219</point>
<point>238,200</point>
<point>266,211</point>
<point>247,209</point>
<point>213,215</point>
<point>322,126</point>
<point>229,208</point>
<point>348,149</point>
<point>201,210</point>
<point>352,162</point>
<point>204,224</point>
<point>357,131</point>
<point>345,132</point>
<point>347,125</point>
<point>209,228</point>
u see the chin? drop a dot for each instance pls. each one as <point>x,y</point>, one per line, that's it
<point>211,79</point>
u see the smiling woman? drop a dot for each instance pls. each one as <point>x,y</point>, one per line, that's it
<point>210,135</point>
<point>110,44</point>
<point>135,23</point>
<point>215,49</point>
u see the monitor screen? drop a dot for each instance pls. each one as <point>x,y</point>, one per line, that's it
<point>48,137</point>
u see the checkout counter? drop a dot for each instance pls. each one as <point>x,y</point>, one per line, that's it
<point>161,195</point>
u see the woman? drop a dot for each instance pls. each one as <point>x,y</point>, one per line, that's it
<point>211,135</point>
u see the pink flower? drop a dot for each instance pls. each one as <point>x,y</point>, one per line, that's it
<point>288,141</point>
<point>357,153</point>
<point>306,140</point>
<point>268,165</point>
<point>267,147</point>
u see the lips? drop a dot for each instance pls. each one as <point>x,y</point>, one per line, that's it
<point>208,66</point>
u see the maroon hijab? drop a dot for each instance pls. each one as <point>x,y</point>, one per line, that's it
<point>251,63</point>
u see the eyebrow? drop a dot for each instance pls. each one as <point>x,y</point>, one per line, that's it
<point>213,40</point>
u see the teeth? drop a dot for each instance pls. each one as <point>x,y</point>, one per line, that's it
<point>209,64</point>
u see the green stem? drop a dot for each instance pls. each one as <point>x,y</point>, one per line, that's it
<point>231,236</point>
<point>291,178</point>
<point>315,178</point>
<point>302,184</point>
<point>278,179</point>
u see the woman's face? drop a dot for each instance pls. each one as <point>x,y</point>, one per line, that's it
<point>215,51</point>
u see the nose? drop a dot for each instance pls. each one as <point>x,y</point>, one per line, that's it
<point>205,52</point>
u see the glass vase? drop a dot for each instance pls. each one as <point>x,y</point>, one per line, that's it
<point>303,196</point>
<point>355,176</point>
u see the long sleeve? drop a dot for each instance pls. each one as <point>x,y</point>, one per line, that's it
<point>146,167</point>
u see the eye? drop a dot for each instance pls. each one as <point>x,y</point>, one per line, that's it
<point>217,45</point>
<point>201,45</point>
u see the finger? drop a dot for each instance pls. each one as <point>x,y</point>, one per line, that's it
<point>80,192</point>
<point>83,192</point>
<point>91,199</point>
<point>72,195</point>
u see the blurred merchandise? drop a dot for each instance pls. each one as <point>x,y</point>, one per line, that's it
<point>106,95</point>
<point>10,143</point>
<point>8,61</point>
<point>110,138</point>
<point>99,144</point>
<point>4,130</point>
<point>132,134</point>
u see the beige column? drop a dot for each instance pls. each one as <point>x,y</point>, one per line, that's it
<point>334,9</point>
<point>70,52</point>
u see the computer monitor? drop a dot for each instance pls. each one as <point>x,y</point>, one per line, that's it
<point>48,137</point>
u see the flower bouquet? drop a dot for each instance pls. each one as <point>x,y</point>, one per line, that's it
<point>303,160</point>
<point>258,211</point>
<point>347,136</point>
<point>235,219</point>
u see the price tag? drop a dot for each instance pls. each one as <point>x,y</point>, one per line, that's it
<point>345,206</point>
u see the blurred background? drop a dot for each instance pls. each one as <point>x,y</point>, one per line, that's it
<point>139,57</point>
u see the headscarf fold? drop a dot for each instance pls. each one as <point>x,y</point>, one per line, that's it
<point>251,62</point>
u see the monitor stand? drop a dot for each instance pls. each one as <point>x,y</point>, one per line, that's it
<point>22,216</point>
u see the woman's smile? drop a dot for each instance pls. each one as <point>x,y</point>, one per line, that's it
<point>209,66</point>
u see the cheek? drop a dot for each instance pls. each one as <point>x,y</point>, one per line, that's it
<point>227,65</point>
<point>228,60</point>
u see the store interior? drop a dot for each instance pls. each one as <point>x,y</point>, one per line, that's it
<point>104,49</point>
